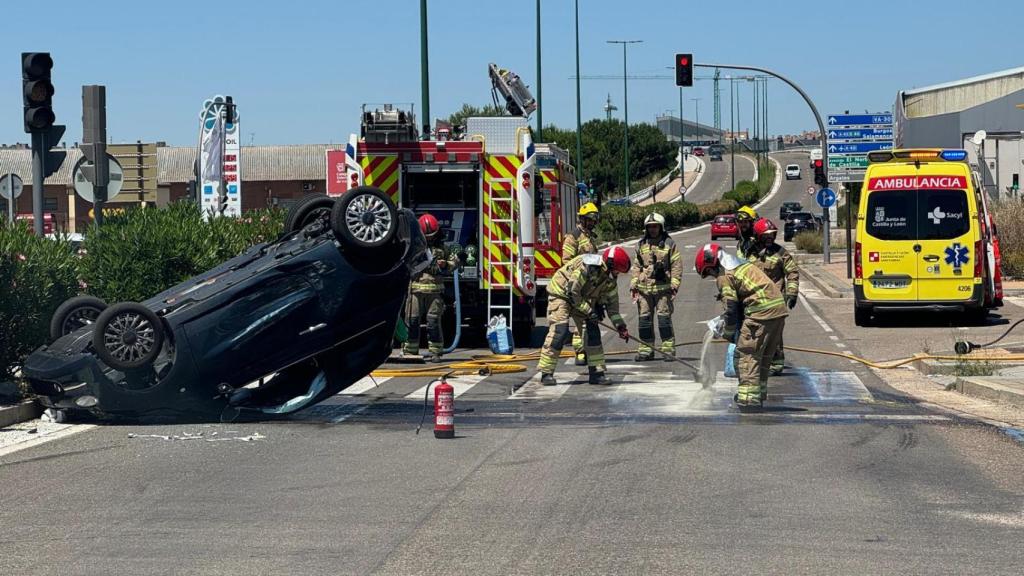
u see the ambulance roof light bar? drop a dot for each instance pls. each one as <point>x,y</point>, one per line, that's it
<point>952,155</point>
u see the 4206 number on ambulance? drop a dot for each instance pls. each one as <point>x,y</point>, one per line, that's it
<point>925,239</point>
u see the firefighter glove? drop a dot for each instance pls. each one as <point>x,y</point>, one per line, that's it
<point>791,302</point>
<point>634,294</point>
<point>623,332</point>
<point>729,336</point>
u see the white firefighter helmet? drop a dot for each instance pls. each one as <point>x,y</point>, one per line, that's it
<point>654,218</point>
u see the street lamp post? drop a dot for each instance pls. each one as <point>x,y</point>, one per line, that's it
<point>625,107</point>
<point>696,118</point>
<point>732,130</point>
<point>540,116</point>
<point>424,70</point>
<point>579,126</point>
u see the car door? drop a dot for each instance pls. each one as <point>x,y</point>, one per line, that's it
<point>890,249</point>
<point>947,245</point>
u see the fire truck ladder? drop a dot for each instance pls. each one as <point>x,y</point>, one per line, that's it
<point>501,262</point>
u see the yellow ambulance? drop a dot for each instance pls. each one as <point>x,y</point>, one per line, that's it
<point>922,236</point>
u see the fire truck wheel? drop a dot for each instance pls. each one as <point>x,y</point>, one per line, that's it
<point>365,218</point>
<point>307,210</point>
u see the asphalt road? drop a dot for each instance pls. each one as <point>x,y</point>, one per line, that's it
<point>717,179</point>
<point>650,475</point>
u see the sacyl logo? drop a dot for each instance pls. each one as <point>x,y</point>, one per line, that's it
<point>937,215</point>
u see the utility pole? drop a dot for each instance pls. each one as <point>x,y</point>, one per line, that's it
<point>732,130</point>
<point>579,125</point>
<point>718,101</point>
<point>424,70</point>
<point>696,116</point>
<point>540,114</point>
<point>625,106</point>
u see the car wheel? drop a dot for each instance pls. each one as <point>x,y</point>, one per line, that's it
<point>365,218</point>
<point>128,336</point>
<point>75,313</point>
<point>862,316</point>
<point>307,210</point>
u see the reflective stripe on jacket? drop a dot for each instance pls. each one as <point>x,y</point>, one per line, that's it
<point>748,291</point>
<point>585,283</point>
<point>780,267</point>
<point>431,280</point>
<point>650,253</point>
<point>579,242</point>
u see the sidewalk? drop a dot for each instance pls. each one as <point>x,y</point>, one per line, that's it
<point>671,190</point>
<point>829,278</point>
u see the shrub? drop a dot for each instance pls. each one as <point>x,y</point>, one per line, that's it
<point>36,275</point>
<point>809,242</point>
<point>143,251</point>
<point>1013,264</point>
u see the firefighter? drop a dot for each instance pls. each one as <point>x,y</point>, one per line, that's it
<point>780,266</point>
<point>745,218</point>
<point>747,293</point>
<point>582,241</point>
<point>582,287</point>
<point>654,284</point>
<point>426,294</point>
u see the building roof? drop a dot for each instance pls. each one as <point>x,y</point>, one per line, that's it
<point>175,163</point>
<point>959,95</point>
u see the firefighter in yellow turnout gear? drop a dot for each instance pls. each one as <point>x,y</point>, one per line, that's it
<point>781,268</point>
<point>745,218</point>
<point>577,291</point>
<point>656,280</point>
<point>426,295</point>
<point>747,293</point>
<point>581,241</point>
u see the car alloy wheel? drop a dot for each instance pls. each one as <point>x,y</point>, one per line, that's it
<point>369,218</point>
<point>128,336</point>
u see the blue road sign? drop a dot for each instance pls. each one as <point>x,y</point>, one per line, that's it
<point>858,147</point>
<point>826,197</point>
<point>861,134</point>
<point>859,119</point>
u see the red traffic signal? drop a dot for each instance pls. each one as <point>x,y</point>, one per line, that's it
<point>818,163</point>
<point>684,69</point>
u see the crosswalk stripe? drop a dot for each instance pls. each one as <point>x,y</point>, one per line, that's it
<point>534,390</point>
<point>462,384</point>
<point>837,386</point>
<point>363,385</point>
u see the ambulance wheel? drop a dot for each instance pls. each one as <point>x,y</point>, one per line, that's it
<point>365,218</point>
<point>862,316</point>
<point>307,210</point>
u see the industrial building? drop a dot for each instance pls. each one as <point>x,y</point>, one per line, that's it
<point>949,115</point>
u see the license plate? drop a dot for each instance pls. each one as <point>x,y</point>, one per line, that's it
<point>890,284</point>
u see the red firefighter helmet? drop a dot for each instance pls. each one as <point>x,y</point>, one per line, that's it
<point>708,257</point>
<point>617,259</point>
<point>429,225</point>
<point>764,226</point>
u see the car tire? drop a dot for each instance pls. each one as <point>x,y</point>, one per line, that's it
<point>861,316</point>
<point>307,210</point>
<point>365,218</point>
<point>128,336</point>
<point>74,313</point>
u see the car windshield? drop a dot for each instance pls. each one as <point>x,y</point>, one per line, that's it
<point>792,167</point>
<point>918,214</point>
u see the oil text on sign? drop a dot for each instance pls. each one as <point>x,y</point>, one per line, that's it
<point>918,182</point>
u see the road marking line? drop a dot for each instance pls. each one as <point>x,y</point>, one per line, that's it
<point>817,318</point>
<point>363,385</point>
<point>63,431</point>
<point>461,384</point>
<point>837,386</point>
<point>840,345</point>
<point>534,390</point>
<point>833,337</point>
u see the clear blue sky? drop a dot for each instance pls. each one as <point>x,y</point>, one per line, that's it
<point>299,70</point>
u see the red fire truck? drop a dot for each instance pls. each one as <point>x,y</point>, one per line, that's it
<point>504,202</point>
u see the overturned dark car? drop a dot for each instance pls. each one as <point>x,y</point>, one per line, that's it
<point>279,328</point>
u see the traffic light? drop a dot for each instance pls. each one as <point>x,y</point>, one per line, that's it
<point>37,90</point>
<point>819,173</point>
<point>684,69</point>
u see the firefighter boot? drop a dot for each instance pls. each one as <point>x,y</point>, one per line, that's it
<point>547,380</point>
<point>577,346</point>
<point>597,377</point>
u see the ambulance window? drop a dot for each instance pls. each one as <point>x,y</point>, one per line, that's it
<point>942,214</point>
<point>891,215</point>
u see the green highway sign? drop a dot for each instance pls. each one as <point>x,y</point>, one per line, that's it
<point>847,162</point>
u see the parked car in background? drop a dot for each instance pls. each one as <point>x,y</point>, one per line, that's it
<point>788,207</point>
<point>797,222</point>
<point>792,172</point>
<point>724,225</point>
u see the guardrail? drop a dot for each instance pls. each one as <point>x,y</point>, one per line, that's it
<point>653,188</point>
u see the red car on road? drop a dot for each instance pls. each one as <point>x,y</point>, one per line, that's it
<point>698,151</point>
<point>724,225</point>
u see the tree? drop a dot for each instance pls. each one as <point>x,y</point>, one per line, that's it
<point>468,110</point>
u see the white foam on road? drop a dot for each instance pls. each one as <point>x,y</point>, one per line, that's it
<point>837,386</point>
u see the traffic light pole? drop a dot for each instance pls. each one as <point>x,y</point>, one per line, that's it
<point>39,149</point>
<point>821,130</point>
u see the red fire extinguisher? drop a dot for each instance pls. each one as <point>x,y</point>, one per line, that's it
<point>444,410</point>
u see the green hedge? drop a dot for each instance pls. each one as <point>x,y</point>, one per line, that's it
<point>138,254</point>
<point>133,256</point>
<point>36,275</point>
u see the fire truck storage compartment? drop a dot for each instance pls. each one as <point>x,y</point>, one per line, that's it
<point>443,185</point>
